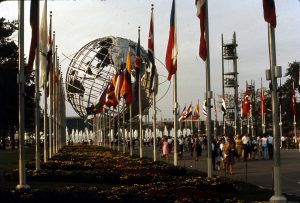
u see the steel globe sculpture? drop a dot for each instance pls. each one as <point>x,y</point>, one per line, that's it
<point>92,68</point>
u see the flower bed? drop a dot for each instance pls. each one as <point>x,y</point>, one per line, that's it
<point>92,173</point>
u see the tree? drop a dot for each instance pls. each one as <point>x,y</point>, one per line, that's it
<point>292,75</point>
<point>9,106</point>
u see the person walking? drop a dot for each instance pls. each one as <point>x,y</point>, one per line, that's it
<point>264,145</point>
<point>238,146</point>
<point>270,146</point>
<point>198,148</point>
<point>165,148</point>
<point>228,156</point>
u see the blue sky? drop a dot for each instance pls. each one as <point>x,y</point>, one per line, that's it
<point>78,22</point>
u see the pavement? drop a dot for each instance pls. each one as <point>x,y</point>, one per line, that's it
<point>257,172</point>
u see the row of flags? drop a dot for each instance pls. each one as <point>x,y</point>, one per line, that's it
<point>187,112</point>
<point>120,85</point>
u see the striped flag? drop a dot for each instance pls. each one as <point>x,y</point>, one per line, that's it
<point>126,90</point>
<point>189,111</point>
<point>119,82</point>
<point>245,106</point>
<point>223,106</point>
<point>270,12</point>
<point>183,115</point>
<point>151,54</point>
<point>262,101</point>
<point>204,108</point>
<point>200,4</point>
<point>43,46</point>
<point>171,54</point>
<point>34,20</point>
<point>137,66</point>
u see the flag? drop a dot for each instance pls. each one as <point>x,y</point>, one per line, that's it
<point>223,106</point>
<point>34,20</point>
<point>204,108</point>
<point>183,115</point>
<point>245,108</point>
<point>270,12</point>
<point>215,109</point>
<point>110,98</point>
<point>100,101</point>
<point>262,101</point>
<point>200,4</point>
<point>49,53</point>
<point>151,54</point>
<point>137,66</point>
<point>189,111</point>
<point>119,82</point>
<point>293,100</point>
<point>171,54</point>
<point>126,90</point>
<point>197,109</point>
<point>43,45</point>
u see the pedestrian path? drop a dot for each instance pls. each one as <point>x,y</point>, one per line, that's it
<point>257,172</point>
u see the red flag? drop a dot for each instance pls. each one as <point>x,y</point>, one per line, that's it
<point>200,4</point>
<point>270,12</point>
<point>262,101</point>
<point>34,20</point>
<point>110,98</point>
<point>126,90</point>
<point>294,100</point>
<point>245,108</point>
<point>171,54</point>
<point>119,82</point>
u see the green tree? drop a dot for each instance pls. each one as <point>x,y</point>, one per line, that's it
<point>292,75</point>
<point>9,106</point>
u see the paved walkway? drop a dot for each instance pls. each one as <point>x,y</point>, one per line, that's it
<point>257,172</point>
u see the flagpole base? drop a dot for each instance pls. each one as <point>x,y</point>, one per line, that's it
<point>23,187</point>
<point>278,199</point>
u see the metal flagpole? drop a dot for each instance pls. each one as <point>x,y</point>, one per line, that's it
<point>37,95</point>
<point>223,88</point>
<point>140,106</point>
<point>109,130</point>
<point>22,175</point>
<point>155,89</point>
<point>130,128</point>
<point>277,174</point>
<point>51,94</point>
<point>113,130</point>
<point>294,100</point>
<point>198,121</point>
<point>123,132</point>
<point>175,104</point>
<point>208,96</point>
<point>119,128</point>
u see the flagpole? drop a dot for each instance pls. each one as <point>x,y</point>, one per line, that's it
<point>277,172</point>
<point>155,89</point>
<point>208,96</point>
<point>37,95</point>
<point>215,122</point>
<point>22,175</point>
<point>140,105</point>
<point>123,132</point>
<point>294,103</point>
<point>223,88</point>
<point>198,121</point>
<point>51,94</point>
<point>119,129</point>
<point>130,129</point>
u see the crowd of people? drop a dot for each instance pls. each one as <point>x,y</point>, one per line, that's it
<point>226,150</point>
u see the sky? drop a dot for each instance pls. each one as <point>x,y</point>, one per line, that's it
<point>77,22</point>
